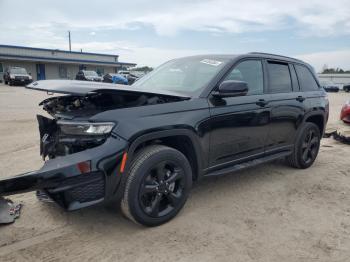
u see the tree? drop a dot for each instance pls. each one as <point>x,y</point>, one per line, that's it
<point>338,70</point>
<point>145,69</point>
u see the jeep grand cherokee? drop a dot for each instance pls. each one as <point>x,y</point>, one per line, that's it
<point>190,118</point>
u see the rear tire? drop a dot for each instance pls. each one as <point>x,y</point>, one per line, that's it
<point>158,184</point>
<point>306,146</point>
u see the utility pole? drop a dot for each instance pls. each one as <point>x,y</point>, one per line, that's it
<point>70,44</point>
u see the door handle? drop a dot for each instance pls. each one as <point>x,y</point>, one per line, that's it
<point>300,98</point>
<point>262,102</point>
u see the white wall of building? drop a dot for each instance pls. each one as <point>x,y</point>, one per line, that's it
<point>52,70</point>
<point>338,79</point>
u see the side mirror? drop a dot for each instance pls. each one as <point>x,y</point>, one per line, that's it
<point>230,88</point>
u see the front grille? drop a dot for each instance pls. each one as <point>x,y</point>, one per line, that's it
<point>21,77</point>
<point>87,192</point>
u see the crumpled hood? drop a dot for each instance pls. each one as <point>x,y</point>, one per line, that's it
<point>82,88</point>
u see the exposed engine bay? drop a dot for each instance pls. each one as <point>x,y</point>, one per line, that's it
<point>69,131</point>
<point>70,106</point>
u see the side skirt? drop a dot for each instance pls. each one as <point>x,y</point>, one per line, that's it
<point>248,164</point>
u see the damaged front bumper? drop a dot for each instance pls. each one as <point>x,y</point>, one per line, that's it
<point>77,180</point>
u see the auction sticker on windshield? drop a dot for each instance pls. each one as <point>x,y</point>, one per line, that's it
<point>211,62</point>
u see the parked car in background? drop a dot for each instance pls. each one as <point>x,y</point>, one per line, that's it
<point>330,86</point>
<point>17,76</point>
<point>192,118</point>
<point>88,76</point>
<point>131,77</point>
<point>345,112</point>
<point>115,79</point>
<point>346,88</point>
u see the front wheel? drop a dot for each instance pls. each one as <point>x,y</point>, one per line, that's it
<point>158,184</point>
<point>306,146</point>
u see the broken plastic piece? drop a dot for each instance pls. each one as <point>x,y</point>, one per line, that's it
<point>9,211</point>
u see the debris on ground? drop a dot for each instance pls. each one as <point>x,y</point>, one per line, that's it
<point>9,211</point>
<point>341,134</point>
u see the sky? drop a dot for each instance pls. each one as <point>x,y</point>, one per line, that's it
<point>152,32</point>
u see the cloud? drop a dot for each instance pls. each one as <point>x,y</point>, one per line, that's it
<point>332,59</point>
<point>170,17</point>
<point>45,24</point>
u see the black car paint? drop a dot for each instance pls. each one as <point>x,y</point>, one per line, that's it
<point>223,132</point>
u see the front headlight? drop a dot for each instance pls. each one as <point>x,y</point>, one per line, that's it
<point>85,128</point>
<point>12,76</point>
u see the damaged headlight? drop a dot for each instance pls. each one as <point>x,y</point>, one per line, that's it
<point>85,128</point>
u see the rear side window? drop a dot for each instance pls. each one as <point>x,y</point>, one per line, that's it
<point>279,78</point>
<point>306,80</point>
<point>251,72</point>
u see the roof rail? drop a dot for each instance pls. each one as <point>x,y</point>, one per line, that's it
<point>262,53</point>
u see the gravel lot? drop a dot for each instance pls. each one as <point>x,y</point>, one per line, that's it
<point>268,213</point>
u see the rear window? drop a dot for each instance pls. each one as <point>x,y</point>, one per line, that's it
<point>279,78</point>
<point>306,80</point>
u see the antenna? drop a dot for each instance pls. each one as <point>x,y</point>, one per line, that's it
<point>70,44</point>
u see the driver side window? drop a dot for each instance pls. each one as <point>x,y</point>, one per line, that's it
<point>251,72</point>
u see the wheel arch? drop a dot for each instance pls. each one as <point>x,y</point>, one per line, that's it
<point>183,140</point>
<point>318,118</point>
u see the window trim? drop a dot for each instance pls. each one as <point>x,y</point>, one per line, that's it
<point>297,84</point>
<point>274,61</point>
<point>228,71</point>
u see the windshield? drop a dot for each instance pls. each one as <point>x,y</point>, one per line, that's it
<point>20,71</point>
<point>185,75</point>
<point>90,73</point>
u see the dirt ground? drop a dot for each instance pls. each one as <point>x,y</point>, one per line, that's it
<point>268,213</point>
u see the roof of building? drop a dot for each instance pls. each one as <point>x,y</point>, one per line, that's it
<point>335,75</point>
<point>56,50</point>
<point>55,55</point>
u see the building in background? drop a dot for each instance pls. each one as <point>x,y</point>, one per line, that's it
<point>57,64</point>
<point>338,79</point>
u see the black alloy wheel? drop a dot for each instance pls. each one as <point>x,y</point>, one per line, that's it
<point>306,146</point>
<point>162,189</point>
<point>310,146</point>
<point>157,185</point>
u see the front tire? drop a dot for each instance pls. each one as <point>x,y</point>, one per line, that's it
<point>306,146</point>
<point>158,184</point>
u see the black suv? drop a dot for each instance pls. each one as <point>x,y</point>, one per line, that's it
<point>88,76</point>
<point>191,118</point>
<point>17,76</point>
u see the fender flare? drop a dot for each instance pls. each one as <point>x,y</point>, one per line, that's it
<point>152,135</point>
<point>318,112</point>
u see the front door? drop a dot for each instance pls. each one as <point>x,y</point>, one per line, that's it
<point>239,125</point>
<point>40,69</point>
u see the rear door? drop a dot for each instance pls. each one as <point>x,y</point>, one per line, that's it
<point>287,105</point>
<point>239,125</point>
